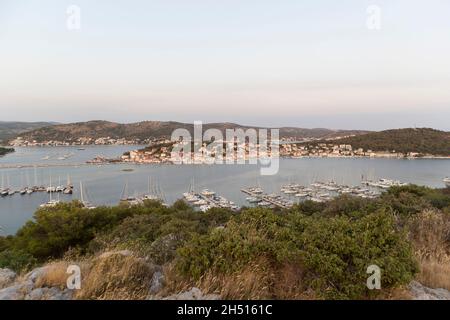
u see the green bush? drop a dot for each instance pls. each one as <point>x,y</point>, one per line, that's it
<point>160,233</point>
<point>337,252</point>
<point>54,230</point>
<point>16,260</point>
<point>412,199</point>
<point>334,252</point>
<point>254,233</point>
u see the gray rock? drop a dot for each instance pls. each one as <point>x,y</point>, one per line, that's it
<point>36,273</point>
<point>108,254</point>
<point>193,294</point>
<point>36,294</point>
<point>57,294</point>
<point>7,277</point>
<point>17,291</point>
<point>49,294</point>
<point>420,292</point>
<point>157,282</point>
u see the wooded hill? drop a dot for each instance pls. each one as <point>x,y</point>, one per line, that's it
<point>157,129</point>
<point>421,140</point>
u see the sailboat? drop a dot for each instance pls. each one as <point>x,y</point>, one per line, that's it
<point>85,203</point>
<point>3,191</point>
<point>126,199</point>
<point>69,187</point>
<point>51,203</point>
<point>149,195</point>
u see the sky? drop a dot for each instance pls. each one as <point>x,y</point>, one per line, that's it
<point>267,63</point>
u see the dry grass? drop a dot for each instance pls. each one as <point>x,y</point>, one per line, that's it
<point>117,277</point>
<point>434,274</point>
<point>430,235</point>
<point>258,280</point>
<point>401,293</point>
<point>56,274</point>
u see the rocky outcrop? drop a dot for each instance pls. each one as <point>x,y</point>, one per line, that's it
<point>49,294</point>
<point>107,254</point>
<point>420,292</point>
<point>7,277</point>
<point>193,294</point>
<point>24,288</point>
<point>157,282</point>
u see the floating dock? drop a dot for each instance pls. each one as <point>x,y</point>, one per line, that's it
<point>273,200</point>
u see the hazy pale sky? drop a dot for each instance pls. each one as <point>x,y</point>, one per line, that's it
<point>264,62</point>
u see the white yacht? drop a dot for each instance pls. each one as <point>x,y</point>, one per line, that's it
<point>50,204</point>
<point>207,192</point>
<point>447,182</point>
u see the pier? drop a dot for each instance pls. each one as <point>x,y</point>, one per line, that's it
<point>208,199</point>
<point>263,198</point>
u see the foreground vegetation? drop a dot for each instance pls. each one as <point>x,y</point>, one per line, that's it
<point>312,251</point>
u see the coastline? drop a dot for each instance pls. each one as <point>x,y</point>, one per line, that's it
<point>115,162</point>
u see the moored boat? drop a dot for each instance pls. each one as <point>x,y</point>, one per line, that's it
<point>447,182</point>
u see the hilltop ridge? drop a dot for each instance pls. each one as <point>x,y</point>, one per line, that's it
<point>420,140</point>
<point>158,129</point>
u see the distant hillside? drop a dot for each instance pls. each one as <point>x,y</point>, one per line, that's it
<point>156,129</point>
<point>423,140</point>
<point>10,130</point>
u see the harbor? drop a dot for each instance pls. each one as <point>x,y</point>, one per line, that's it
<point>208,199</point>
<point>317,192</point>
<point>261,199</point>
<point>104,185</point>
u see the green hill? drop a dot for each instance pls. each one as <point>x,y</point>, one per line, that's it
<point>10,129</point>
<point>421,140</point>
<point>157,129</point>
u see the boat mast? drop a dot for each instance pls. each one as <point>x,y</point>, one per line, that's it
<point>35,176</point>
<point>81,192</point>
<point>50,188</point>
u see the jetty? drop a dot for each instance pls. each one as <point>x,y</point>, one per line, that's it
<point>262,199</point>
<point>207,199</point>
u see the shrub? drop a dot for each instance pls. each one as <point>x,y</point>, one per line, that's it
<point>160,233</point>
<point>337,252</point>
<point>68,225</point>
<point>253,234</point>
<point>333,252</point>
<point>16,260</point>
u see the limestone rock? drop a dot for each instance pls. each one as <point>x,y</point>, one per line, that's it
<point>36,273</point>
<point>193,294</point>
<point>7,277</point>
<point>108,254</point>
<point>420,292</point>
<point>157,282</point>
<point>17,291</point>
<point>49,294</point>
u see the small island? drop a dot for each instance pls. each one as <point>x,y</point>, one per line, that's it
<point>4,151</point>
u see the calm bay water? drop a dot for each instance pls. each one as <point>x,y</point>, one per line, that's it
<point>103,185</point>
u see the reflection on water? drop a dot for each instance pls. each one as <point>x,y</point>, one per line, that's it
<point>103,185</point>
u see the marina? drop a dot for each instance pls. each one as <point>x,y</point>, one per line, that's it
<point>154,193</point>
<point>261,199</point>
<point>208,199</point>
<point>104,185</point>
